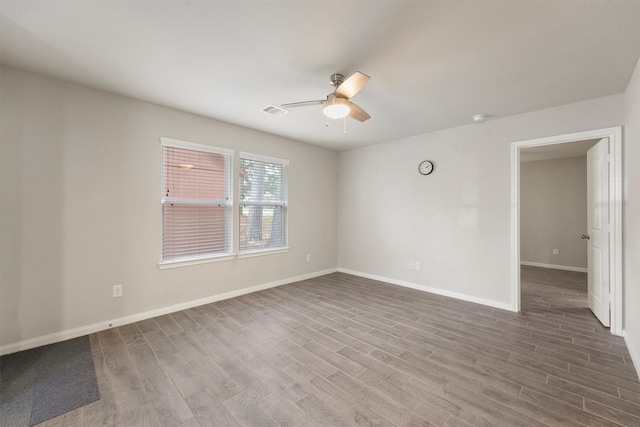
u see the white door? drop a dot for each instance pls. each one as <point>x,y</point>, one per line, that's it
<point>598,230</point>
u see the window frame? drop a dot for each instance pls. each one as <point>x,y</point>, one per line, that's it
<point>246,253</point>
<point>229,162</point>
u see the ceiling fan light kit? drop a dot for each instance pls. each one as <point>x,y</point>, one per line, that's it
<point>336,108</point>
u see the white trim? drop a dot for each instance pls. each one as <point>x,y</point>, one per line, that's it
<point>174,263</point>
<point>515,229</point>
<point>274,203</point>
<point>437,291</point>
<point>615,213</point>
<point>225,203</point>
<point>634,351</point>
<point>260,252</point>
<point>170,142</point>
<point>101,326</point>
<point>557,267</point>
<point>615,231</point>
<point>261,158</point>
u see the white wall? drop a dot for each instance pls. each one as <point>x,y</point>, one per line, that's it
<point>80,208</point>
<point>456,221</point>
<point>553,212</point>
<point>631,217</point>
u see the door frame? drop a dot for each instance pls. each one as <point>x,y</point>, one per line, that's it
<point>615,214</point>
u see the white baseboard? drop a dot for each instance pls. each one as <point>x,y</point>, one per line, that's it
<point>451,294</point>
<point>557,267</point>
<point>101,326</point>
<point>634,350</point>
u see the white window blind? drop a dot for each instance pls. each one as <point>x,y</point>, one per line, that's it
<point>196,201</point>
<point>263,202</point>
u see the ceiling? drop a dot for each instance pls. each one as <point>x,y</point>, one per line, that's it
<point>433,64</point>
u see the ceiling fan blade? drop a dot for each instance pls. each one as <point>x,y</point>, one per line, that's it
<point>358,113</point>
<point>352,85</point>
<point>303,103</point>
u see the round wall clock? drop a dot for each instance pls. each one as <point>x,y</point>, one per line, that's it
<point>425,167</point>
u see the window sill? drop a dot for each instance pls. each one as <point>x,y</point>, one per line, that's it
<point>261,252</point>
<point>195,261</point>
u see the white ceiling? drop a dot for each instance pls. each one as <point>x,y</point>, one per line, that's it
<point>433,64</point>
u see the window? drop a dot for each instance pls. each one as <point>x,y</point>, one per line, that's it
<point>196,201</point>
<point>263,203</point>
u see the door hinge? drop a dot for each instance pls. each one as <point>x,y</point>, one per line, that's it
<point>607,158</point>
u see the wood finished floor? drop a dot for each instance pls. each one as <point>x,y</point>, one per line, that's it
<point>340,350</point>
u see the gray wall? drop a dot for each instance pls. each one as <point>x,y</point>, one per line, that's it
<point>456,221</point>
<point>553,212</point>
<point>79,184</point>
<point>631,217</point>
<point>80,210</point>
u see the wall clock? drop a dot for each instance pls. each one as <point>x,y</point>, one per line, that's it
<point>425,167</point>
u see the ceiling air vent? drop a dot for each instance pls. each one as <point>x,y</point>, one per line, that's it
<point>274,110</point>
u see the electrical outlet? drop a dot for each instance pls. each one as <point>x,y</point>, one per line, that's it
<point>308,257</point>
<point>556,251</point>
<point>412,264</point>
<point>117,291</point>
<point>417,264</point>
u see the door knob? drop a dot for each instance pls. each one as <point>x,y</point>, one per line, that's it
<point>585,236</point>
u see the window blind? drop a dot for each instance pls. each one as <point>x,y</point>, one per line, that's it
<point>196,201</point>
<point>263,202</point>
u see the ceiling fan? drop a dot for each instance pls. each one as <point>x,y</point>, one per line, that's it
<point>338,104</point>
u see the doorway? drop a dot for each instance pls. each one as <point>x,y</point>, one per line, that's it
<point>615,213</point>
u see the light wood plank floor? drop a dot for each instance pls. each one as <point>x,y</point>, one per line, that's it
<point>340,350</point>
